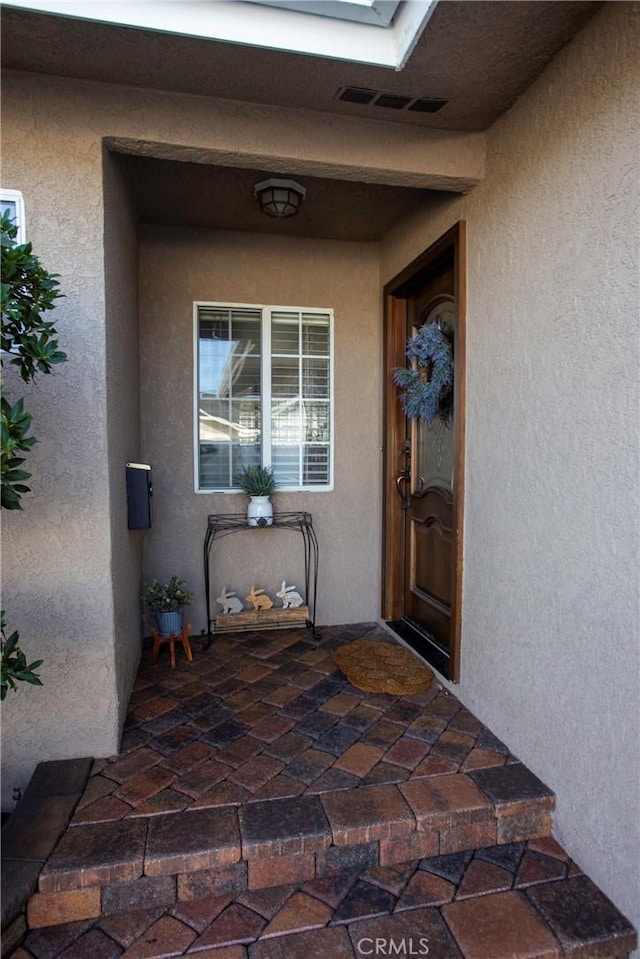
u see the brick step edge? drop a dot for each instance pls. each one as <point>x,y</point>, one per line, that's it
<point>273,842</point>
<point>31,833</point>
<point>515,900</point>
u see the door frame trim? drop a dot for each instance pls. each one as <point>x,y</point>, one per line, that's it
<point>396,293</point>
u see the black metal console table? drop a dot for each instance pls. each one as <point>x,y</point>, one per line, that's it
<point>223,524</point>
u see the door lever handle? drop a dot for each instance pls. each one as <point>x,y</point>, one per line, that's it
<point>403,477</point>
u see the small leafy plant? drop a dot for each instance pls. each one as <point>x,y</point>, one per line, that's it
<point>13,666</point>
<point>167,597</point>
<point>257,481</point>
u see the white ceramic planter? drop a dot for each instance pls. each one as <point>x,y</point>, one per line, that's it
<point>260,511</point>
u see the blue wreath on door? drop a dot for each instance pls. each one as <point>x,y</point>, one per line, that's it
<point>427,386</point>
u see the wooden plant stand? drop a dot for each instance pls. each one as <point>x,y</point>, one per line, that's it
<point>182,637</point>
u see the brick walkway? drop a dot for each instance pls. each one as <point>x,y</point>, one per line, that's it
<point>261,806</point>
<point>264,716</point>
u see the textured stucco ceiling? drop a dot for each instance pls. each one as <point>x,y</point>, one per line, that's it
<point>479,56</point>
<point>173,193</point>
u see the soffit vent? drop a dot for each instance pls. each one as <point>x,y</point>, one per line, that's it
<point>389,101</point>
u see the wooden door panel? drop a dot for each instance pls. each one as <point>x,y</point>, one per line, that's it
<point>429,538</point>
<point>432,549</point>
<point>430,591</point>
<point>423,533</point>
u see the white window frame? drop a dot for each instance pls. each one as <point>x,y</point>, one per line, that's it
<point>265,387</point>
<point>15,196</point>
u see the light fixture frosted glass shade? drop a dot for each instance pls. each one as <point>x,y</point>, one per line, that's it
<point>279,197</point>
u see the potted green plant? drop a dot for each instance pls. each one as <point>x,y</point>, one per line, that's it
<point>258,482</point>
<point>167,602</point>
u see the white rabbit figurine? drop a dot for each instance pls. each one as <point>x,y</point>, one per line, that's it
<point>229,602</point>
<point>289,597</point>
<point>259,599</point>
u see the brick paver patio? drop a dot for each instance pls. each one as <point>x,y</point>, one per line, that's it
<point>262,807</point>
<point>269,715</point>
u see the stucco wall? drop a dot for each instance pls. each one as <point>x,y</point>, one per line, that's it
<point>56,578</point>
<point>61,569</point>
<point>180,266</point>
<point>123,419</point>
<point>550,644</point>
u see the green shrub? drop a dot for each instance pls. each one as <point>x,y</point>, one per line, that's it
<point>30,343</point>
<point>28,291</point>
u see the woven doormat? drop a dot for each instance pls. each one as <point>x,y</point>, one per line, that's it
<point>378,667</point>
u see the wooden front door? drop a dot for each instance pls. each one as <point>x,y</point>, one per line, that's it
<point>423,462</point>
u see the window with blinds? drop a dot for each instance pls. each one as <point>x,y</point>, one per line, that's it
<point>263,395</point>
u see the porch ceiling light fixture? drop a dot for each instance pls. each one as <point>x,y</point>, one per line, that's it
<point>279,197</point>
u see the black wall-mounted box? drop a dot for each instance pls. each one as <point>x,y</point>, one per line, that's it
<point>139,492</point>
